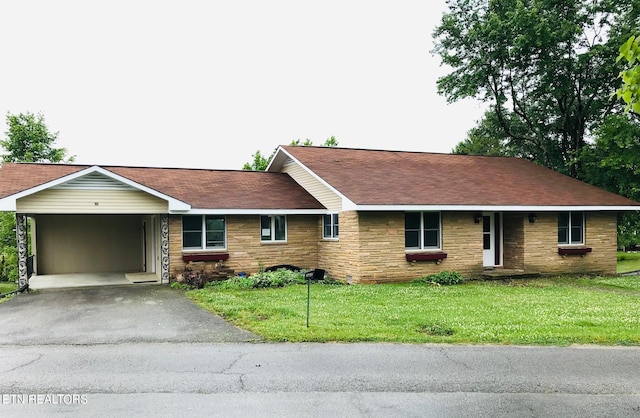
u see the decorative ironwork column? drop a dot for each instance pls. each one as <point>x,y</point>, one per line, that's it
<point>164,249</point>
<point>21,242</point>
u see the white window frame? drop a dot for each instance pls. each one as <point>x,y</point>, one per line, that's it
<point>421,246</point>
<point>272,229</point>
<point>203,237</point>
<point>334,226</point>
<point>570,227</point>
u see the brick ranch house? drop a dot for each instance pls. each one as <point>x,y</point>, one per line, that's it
<point>365,216</point>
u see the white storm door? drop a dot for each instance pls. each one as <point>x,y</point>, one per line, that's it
<point>488,240</point>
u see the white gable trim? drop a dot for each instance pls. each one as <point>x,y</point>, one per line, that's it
<point>8,203</point>
<point>281,156</point>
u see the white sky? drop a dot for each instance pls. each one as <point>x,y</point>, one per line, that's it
<point>205,84</point>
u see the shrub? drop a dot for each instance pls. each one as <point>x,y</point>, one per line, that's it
<point>443,278</point>
<point>262,279</point>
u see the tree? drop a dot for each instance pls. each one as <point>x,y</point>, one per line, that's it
<point>260,162</point>
<point>544,66</point>
<point>29,140</point>
<point>487,138</point>
<point>629,92</point>
<point>612,162</point>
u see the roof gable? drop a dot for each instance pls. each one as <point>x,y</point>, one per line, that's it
<point>374,179</point>
<point>192,190</point>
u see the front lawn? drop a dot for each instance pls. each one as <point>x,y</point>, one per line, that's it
<point>558,311</point>
<point>628,262</point>
<point>7,287</point>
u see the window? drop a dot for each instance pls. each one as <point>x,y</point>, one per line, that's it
<point>200,232</point>
<point>273,228</point>
<point>422,230</point>
<point>571,228</point>
<point>330,226</point>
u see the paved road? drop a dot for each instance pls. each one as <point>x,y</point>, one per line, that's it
<point>146,377</point>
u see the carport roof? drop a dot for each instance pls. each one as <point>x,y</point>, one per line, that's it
<point>198,188</point>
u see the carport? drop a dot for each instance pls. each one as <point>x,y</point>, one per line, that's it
<point>89,222</point>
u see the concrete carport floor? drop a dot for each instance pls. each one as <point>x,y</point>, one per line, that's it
<point>56,281</point>
<point>111,314</point>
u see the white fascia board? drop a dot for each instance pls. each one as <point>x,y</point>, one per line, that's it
<point>251,212</point>
<point>8,204</point>
<point>463,208</point>
<point>10,201</point>
<point>275,155</point>
<point>346,202</point>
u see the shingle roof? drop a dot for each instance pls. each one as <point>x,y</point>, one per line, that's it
<point>372,177</point>
<point>203,189</point>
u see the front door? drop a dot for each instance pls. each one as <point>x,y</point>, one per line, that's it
<point>491,239</point>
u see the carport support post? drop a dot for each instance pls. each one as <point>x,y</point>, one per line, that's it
<point>164,249</point>
<point>21,242</point>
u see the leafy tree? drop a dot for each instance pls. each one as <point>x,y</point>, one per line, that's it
<point>487,138</point>
<point>28,140</point>
<point>629,92</point>
<point>612,162</point>
<point>544,65</point>
<point>260,162</point>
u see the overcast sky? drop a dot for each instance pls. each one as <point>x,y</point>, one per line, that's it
<point>207,83</point>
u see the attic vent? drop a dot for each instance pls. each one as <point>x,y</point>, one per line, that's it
<point>94,181</point>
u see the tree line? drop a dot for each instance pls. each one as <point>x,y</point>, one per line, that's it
<point>550,72</point>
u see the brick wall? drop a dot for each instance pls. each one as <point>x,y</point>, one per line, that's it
<point>541,246</point>
<point>371,248</point>
<point>341,258</point>
<point>246,252</point>
<point>513,240</point>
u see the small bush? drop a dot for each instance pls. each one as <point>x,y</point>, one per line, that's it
<point>444,278</point>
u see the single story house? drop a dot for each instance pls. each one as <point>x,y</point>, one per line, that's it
<point>365,216</point>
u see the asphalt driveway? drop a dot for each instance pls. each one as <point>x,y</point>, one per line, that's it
<point>111,314</point>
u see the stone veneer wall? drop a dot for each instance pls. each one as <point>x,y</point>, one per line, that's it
<point>371,246</point>
<point>513,240</point>
<point>246,252</point>
<point>341,258</point>
<point>541,245</point>
<point>375,253</point>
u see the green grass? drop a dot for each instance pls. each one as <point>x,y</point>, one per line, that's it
<point>7,287</point>
<point>558,311</point>
<point>628,262</point>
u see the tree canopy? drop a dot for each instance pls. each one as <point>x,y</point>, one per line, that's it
<point>29,140</point>
<point>544,66</point>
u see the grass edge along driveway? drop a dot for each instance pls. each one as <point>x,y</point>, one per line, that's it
<point>546,311</point>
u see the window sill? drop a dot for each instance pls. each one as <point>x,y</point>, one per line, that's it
<point>205,257</point>
<point>581,251</point>
<point>433,256</point>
